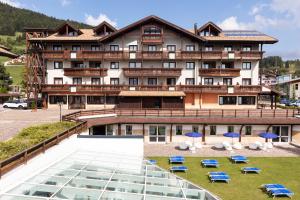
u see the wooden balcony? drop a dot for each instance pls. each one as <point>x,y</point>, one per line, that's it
<point>152,39</point>
<point>249,89</point>
<point>189,55</point>
<point>203,88</point>
<point>84,89</point>
<point>251,55</point>
<point>53,55</point>
<point>211,55</point>
<point>85,72</point>
<point>157,72</point>
<point>217,72</point>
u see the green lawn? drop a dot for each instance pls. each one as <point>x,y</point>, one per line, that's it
<point>285,171</point>
<point>17,73</point>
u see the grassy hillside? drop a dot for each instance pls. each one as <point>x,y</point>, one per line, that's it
<point>17,73</point>
<point>14,20</point>
<point>15,42</point>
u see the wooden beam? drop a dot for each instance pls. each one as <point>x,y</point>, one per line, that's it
<point>119,129</point>
<point>241,129</point>
<point>171,132</point>
<point>203,133</point>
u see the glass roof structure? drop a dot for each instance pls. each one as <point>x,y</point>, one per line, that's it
<point>88,175</point>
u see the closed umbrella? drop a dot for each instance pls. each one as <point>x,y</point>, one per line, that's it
<point>268,135</point>
<point>231,135</point>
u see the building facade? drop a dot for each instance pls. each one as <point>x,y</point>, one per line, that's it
<point>148,64</point>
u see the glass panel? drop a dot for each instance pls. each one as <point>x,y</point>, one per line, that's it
<point>121,196</point>
<point>152,130</point>
<point>78,194</point>
<point>34,190</point>
<point>276,130</point>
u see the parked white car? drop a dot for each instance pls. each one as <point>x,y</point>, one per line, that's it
<point>20,104</point>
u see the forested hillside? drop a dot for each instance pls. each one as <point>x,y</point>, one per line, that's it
<point>14,20</point>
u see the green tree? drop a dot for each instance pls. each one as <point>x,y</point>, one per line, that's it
<point>5,80</point>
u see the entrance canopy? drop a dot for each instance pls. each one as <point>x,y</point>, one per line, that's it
<point>152,94</point>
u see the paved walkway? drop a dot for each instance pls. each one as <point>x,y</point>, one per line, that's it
<point>208,151</point>
<point>13,120</point>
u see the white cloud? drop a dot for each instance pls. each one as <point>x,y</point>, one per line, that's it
<point>231,23</point>
<point>258,8</point>
<point>65,2</point>
<point>94,21</point>
<point>13,3</point>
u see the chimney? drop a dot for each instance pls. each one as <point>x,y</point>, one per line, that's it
<point>195,28</point>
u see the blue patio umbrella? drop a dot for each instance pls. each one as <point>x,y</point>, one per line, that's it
<point>193,135</point>
<point>268,135</point>
<point>231,135</point>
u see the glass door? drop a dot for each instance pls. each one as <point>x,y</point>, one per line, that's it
<point>157,134</point>
<point>282,132</point>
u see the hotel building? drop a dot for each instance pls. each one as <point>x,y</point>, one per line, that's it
<point>153,65</point>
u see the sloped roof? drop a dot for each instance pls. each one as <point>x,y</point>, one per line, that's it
<point>105,23</point>
<point>210,24</point>
<point>5,52</point>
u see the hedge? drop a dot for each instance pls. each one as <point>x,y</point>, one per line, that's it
<point>30,136</point>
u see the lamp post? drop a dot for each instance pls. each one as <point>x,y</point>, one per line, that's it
<point>60,104</point>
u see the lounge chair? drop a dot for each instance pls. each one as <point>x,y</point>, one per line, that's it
<point>237,146</point>
<point>183,146</point>
<point>269,187</point>
<point>219,146</point>
<point>210,163</point>
<point>239,159</point>
<point>176,159</point>
<point>281,192</point>
<point>253,146</point>
<point>227,146</point>
<point>219,176</point>
<point>178,169</point>
<point>251,169</point>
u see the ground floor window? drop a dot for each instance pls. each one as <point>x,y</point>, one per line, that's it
<point>248,130</point>
<point>109,129</point>
<point>57,99</point>
<point>157,133</point>
<point>95,100</point>
<point>111,100</point>
<point>227,100</point>
<point>213,130</point>
<point>282,132</point>
<point>195,129</point>
<point>247,100</point>
<point>230,129</point>
<point>128,130</point>
<point>178,130</point>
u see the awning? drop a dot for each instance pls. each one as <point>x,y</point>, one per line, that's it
<point>152,94</point>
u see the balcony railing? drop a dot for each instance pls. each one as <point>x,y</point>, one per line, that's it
<point>152,39</point>
<point>161,72</point>
<point>115,89</point>
<point>85,72</point>
<point>151,55</point>
<point>220,72</point>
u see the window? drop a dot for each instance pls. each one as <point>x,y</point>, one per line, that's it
<point>152,30</point>
<point>58,81</point>
<point>109,129</point>
<point>58,65</point>
<point>57,99</point>
<point>95,48</point>
<point>228,48</point>
<point>171,81</point>
<point>133,81</point>
<point>178,130</point>
<point>171,48</point>
<point>95,99</point>
<point>114,65</point>
<point>152,48</point>
<point>246,48</point>
<point>296,86</point>
<point>114,47</point>
<point>227,81</point>
<point>169,65</point>
<point>57,47</point>
<point>95,64</point>
<point>230,129</point>
<point>190,65</point>
<point>135,65</point>
<point>208,48</point>
<point>248,130</point>
<point>246,65</point>
<point>95,81</point>
<point>77,65</point>
<point>190,81</point>
<point>195,129</point>
<point>133,48</point>
<point>227,100</point>
<point>247,100</point>
<point>76,48</point>
<point>152,81</point>
<point>213,130</point>
<point>128,130</point>
<point>114,81</point>
<point>77,81</point>
<point>227,65</point>
<point>208,65</point>
<point>73,33</point>
<point>208,81</point>
<point>190,48</point>
<point>246,81</point>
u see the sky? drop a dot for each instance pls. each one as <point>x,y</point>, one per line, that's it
<point>278,18</point>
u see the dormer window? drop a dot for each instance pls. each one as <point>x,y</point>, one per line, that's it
<point>73,33</point>
<point>67,30</point>
<point>152,30</point>
<point>209,29</point>
<point>104,29</point>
